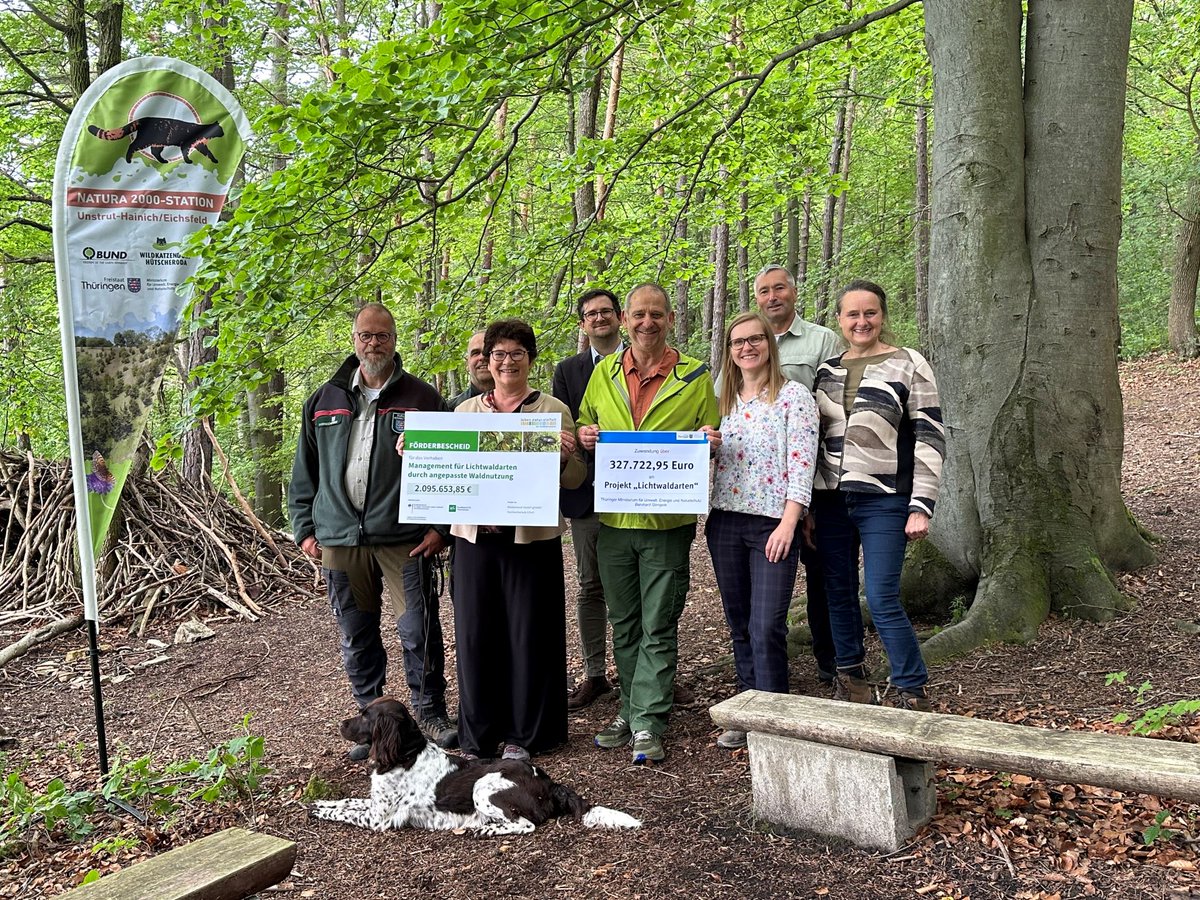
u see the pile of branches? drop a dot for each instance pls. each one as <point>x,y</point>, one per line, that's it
<point>176,550</point>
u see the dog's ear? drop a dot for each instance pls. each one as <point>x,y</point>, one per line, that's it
<point>385,740</point>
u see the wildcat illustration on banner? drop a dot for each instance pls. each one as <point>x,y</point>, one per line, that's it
<point>146,160</point>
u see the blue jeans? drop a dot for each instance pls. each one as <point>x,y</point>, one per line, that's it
<point>756,595</point>
<point>844,522</point>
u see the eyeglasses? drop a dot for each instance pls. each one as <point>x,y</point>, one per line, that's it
<point>514,355</point>
<point>592,314</point>
<point>753,340</point>
<point>381,337</point>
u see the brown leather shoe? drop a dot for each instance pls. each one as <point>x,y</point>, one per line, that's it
<point>685,697</point>
<point>588,692</point>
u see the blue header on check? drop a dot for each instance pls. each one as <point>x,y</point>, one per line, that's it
<point>653,437</point>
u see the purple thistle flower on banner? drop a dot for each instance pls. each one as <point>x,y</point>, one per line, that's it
<point>101,480</point>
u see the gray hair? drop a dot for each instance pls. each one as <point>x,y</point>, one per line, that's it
<point>776,267</point>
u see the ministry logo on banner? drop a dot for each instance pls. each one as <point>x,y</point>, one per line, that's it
<point>146,160</point>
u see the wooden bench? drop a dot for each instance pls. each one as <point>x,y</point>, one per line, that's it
<point>228,865</point>
<point>864,774</point>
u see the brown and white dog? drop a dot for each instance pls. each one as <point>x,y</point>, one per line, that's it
<point>416,784</point>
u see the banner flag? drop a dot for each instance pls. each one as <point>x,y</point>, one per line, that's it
<point>146,160</point>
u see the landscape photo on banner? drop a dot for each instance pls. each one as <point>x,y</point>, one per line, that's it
<point>147,159</point>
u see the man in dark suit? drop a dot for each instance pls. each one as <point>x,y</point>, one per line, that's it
<point>599,319</point>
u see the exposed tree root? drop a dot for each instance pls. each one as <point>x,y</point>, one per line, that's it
<point>1004,609</point>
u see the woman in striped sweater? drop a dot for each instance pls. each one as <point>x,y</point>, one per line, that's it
<point>878,468</point>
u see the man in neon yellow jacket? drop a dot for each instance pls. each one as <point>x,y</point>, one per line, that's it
<point>644,564</point>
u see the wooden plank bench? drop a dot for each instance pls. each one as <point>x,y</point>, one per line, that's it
<point>864,773</point>
<point>228,865</point>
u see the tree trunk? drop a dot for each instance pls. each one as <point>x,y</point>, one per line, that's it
<point>200,347</point>
<point>743,252</point>
<point>1181,314</point>
<point>610,117</point>
<point>585,130</point>
<point>108,34</point>
<point>79,73</point>
<point>840,210</point>
<point>720,292</point>
<point>489,238</point>
<point>706,302</point>
<point>921,222</point>
<point>805,237</point>
<point>821,304</point>
<point>1023,313</point>
<point>324,44</point>
<point>197,448</point>
<point>778,226</point>
<point>265,408</point>
<point>793,238</point>
<point>264,403</point>
<point>682,317</point>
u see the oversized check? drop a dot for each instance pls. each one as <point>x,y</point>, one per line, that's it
<point>652,472</point>
<point>481,468</point>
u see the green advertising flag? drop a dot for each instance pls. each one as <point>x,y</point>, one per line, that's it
<point>146,160</point>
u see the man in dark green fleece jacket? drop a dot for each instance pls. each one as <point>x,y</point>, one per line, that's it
<point>344,503</point>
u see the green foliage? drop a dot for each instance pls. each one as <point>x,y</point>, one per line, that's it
<point>1157,832</point>
<point>958,610</point>
<point>231,772</point>
<point>380,171</point>
<point>1155,718</point>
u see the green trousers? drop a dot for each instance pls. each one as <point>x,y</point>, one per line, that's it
<point>645,573</point>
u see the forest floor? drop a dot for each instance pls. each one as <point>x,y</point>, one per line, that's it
<point>994,835</point>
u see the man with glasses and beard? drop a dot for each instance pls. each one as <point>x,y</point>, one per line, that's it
<point>344,504</point>
<point>599,319</point>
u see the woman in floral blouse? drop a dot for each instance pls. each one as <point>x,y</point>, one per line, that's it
<point>761,490</point>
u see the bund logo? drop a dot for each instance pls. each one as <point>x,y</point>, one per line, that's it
<point>91,253</point>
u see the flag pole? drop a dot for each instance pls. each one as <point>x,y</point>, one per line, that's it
<point>83,530</point>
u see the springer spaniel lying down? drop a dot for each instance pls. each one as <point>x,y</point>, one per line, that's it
<point>418,785</point>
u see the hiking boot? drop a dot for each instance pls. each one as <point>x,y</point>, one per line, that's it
<point>732,740</point>
<point>914,699</point>
<point>441,731</point>
<point>685,697</point>
<point>851,685</point>
<point>588,692</point>
<point>359,752</point>
<point>647,748</point>
<point>616,735</point>
<point>515,751</point>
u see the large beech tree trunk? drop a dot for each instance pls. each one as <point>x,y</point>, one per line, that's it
<point>1023,313</point>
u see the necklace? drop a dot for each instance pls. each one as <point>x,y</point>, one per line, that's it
<point>753,394</point>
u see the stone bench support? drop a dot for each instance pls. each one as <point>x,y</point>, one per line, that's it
<point>871,800</point>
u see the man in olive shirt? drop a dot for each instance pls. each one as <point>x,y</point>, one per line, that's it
<point>803,346</point>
